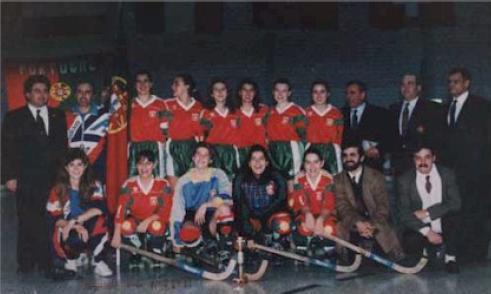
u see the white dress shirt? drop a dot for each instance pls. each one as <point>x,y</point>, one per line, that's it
<point>359,112</point>
<point>411,106</point>
<point>430,199</point>
<point>458,106</point>
<point>43,113</point>
<point>356,174</point>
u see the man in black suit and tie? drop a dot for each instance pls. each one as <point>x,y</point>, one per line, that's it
<point>467,149</point>
<point>428,206</point>
<point>34,138</point>
<point>373,125</point>
<point>416,118</point>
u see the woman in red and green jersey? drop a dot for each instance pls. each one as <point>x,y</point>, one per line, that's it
<point>184,129</point>
<point>285,129</point>
<point>325,127</point>
<point>252,114</point>
<point>220,123</point>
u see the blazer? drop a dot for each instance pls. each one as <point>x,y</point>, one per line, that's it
<point>424,123</point>
<point>467,146</point>
<point>28,155</point>
<point>409,199</point>
<point>374,196</point>
<point>376,124</point>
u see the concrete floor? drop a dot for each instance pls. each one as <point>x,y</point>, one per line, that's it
<point>287,279</point>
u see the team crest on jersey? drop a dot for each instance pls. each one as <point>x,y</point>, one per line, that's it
<point>233,123</point>
<point>212,114</point>
<point>195,116</point>
<point>285,120</point>
<point>152,113</point>
<point>135,189</point>
<point>329,122</point>
<point>153,201</point>
<point>310,113</point>
<point>258,121</point>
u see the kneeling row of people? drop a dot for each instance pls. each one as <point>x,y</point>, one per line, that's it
<point>353,205</point>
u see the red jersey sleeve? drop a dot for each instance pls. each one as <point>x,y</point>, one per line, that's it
<point>166,204</point>
<point>54,206</point>
<point>123,202</point>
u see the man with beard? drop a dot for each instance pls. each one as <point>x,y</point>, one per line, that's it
<point>362,205</point>
<point>87,125</point>
<point>429,202</point>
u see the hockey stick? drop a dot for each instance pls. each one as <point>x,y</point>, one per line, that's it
<point>243,276</point>
<point>326,264</point>
<point>388,263</point>
<point>183,265</point>
<point>259,273</point>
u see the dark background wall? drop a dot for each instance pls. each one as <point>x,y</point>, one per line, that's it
<point>375,43</point>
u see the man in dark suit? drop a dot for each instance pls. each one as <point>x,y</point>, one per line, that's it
<point>467,149</point>
<point>34,138</point>
<point>361,205</point>
<point>428,206</point>
<point>372,124</point>
<point>416,118</point>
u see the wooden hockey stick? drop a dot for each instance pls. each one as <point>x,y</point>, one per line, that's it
<point>245,277</point>
<point>326,264</point>
<point>259,273</point>
<point>183,265</point>
<point>388,263</point>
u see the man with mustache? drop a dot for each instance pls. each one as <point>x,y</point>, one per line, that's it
<point>429,204</point>
<point>362,205</point>
<point>87,124</point>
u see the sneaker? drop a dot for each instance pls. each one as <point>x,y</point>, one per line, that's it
<point>71,265</point>
<point>102,269</point>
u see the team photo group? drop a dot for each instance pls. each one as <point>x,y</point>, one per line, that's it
<point>218,182</point>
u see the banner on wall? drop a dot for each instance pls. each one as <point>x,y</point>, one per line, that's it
<point>64,74</point>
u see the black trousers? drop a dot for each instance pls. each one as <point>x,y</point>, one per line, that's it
<point>414,242</point>
<point>32,235</point>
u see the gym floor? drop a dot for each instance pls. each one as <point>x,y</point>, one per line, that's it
<point>475,278</point>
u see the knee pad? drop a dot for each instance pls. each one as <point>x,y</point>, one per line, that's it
<point>156,228</point>
<point>225,224</point>
<point>190,234</point>
<point>280,223</point>
<point>128,227</point>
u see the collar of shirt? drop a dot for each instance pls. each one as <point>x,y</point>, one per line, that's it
<point>34,109</point>
<point>433,174</point>
<point>356,174</point>
<point>458,106</point>
<point>411,106</point>
<point>359,110</point>
<point>462,97</point>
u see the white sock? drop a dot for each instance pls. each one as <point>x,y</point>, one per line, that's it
<point>449,258</point>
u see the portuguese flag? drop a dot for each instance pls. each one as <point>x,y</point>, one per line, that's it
<point>117,143</point>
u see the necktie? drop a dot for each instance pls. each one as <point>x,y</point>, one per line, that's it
<point>453,109</point>
<point>405,118</point>
<point>40,123</point>
<point>354,120</point>
<point>354,180</point>
<point>428,185</point>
